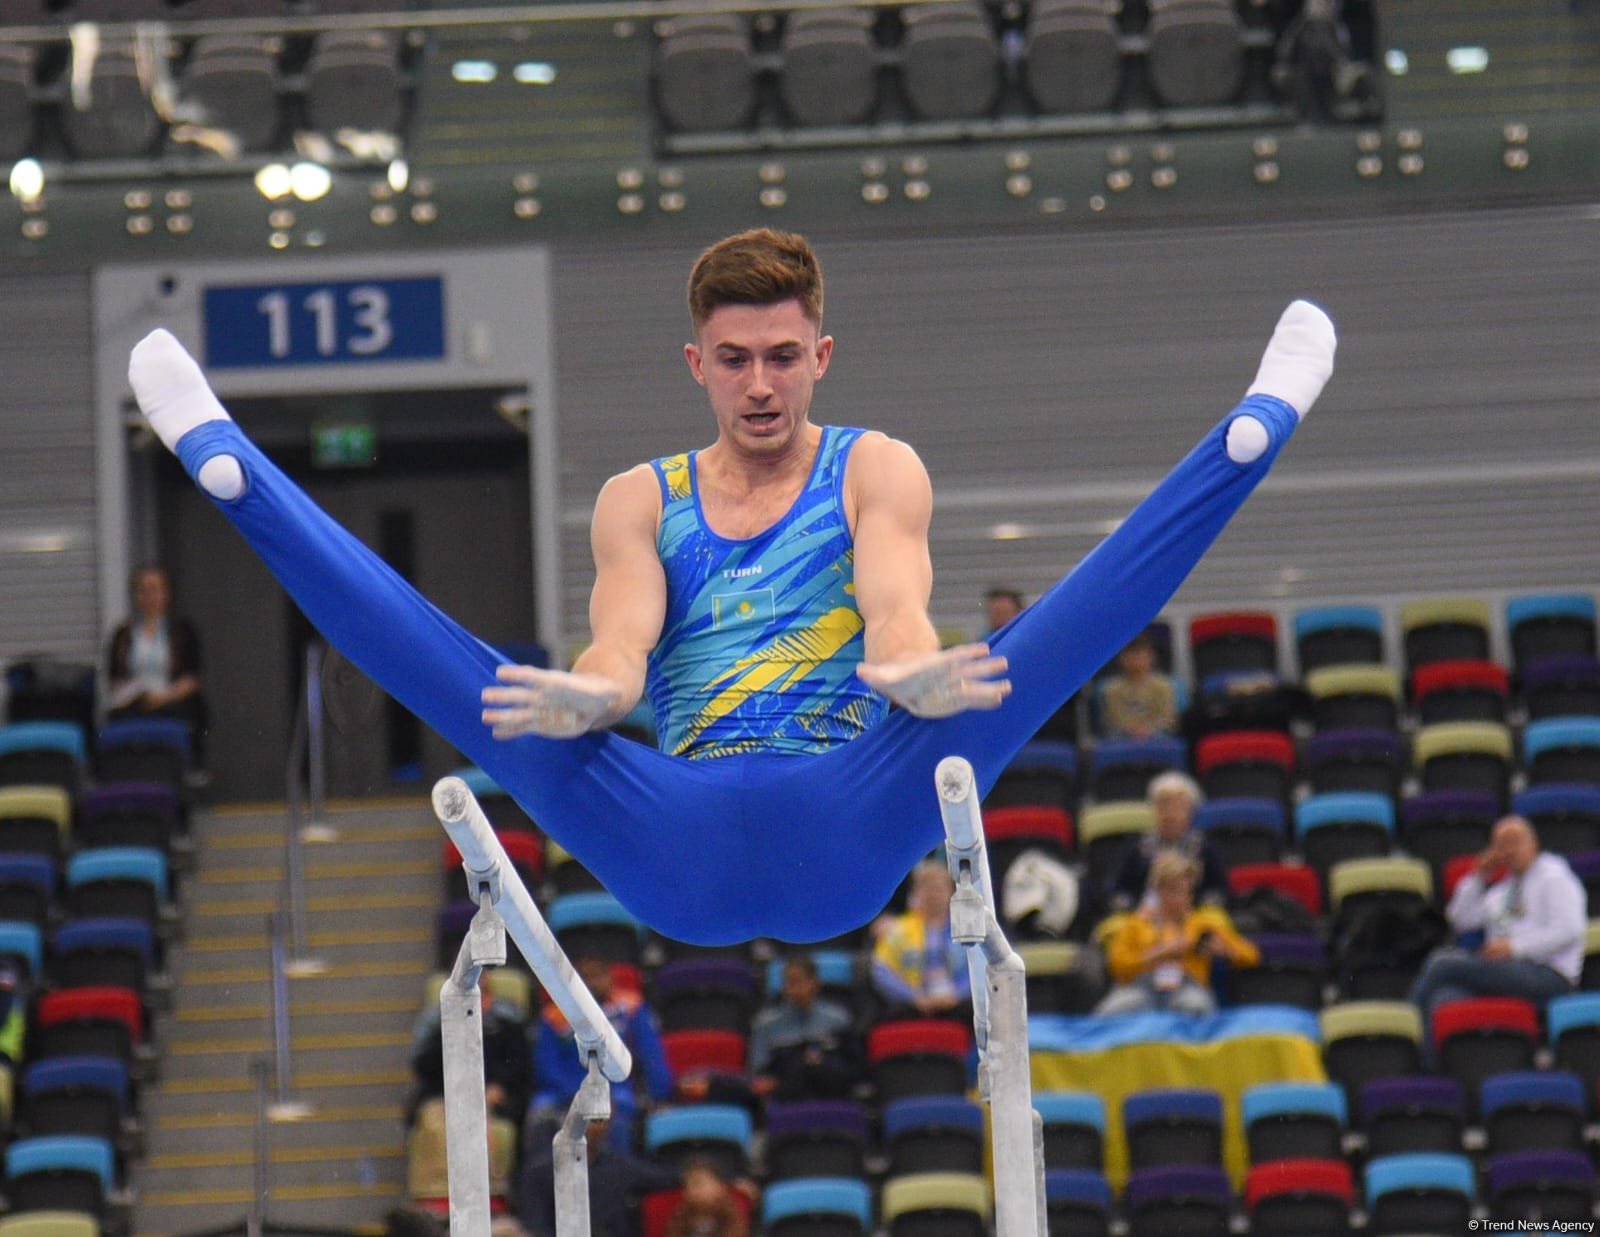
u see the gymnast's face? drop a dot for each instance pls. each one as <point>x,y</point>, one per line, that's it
<point>759,365</point>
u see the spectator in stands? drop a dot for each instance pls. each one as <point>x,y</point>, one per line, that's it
<point>154,660</point>
<point>1531,924</point>
<point>1173,796</point>
<point>1161,955</point>
<point>558,1072</point>
<point>616,1182</point>
<point>1138,701</point>
<point>804,1048</point>
<point>708,1208</point>
<point>1000,606</point>
<point>916,967</point>
<point>507,1057</point>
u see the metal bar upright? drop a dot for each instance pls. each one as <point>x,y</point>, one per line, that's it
<point>1000,1009</point>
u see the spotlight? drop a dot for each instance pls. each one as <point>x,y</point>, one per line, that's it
<point>273,182</point>
<point>27,180</point>
<point>399,175</point>
<point>310,181</point>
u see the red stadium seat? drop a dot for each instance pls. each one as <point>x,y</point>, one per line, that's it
<point>919,1056</point>
<point>702,1051</point>
<point>1245,763</point>
<point>1292,880</point>
<point>1482,1036</point>
<point>91,1021</point>
<point>1460,691</point>
<point>1241,640</point>
<point>655,1210</point>
<point>1299,1196</point>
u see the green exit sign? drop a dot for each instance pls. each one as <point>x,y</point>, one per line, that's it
<point>344,446</point>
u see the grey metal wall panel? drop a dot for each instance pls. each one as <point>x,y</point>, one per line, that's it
<point>1049,380</point>
<point>47,482</point>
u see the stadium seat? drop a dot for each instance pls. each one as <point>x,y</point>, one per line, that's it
<point>1338,636</point>
<point>1010,830</point>
<point>695,1052</point>
<point>1299,1197</point>
<point>1476,1037</point>
<point>1573,1026</point>
<point>933,1134</point>
<point>719,1133</point>
<point>840,974</point>
<point>1420,1193</point>
<point>816,1138</point>
<point>27,886</point>
<point>1589,979</point>
<point>234,78</point>
<point>1460,691</point>
<point>1354,698</point>
<point>566,874</point>
<point>936,1205</point>
<point>128,814</point>
<point>1106,832</point>
<point>1565,815</point>
<point>103,952</point>
<point>1074,62</point>
<point>922,1056</point>
<point>1245,764</point>
<point>45,688</point>
<point>830,67</point>
<point>1241,640</point>
<point>1396,880</point>
<point>1173,1126</point>
<point>1545,1187</point>
<point>1549,625</point>
<point>1361,761</point>
<point>1364,1040</point>
<point>1192,1199</point>
<point>657,1209</point>
<point>35,820</point>
<point>1122,769</point>
<point>817,1207</point>
<point>505,983</point>
<point>711,994</point>
<point>354,80</point>
<point>1293,1121</point>
<point>50,1224</point>
<point>595,925</point>
<point>1401,1115</point>
<point>60,1172</point>
<point>22,946</point>
<point>127,882</point>
<point>1043,774</point>
<point>1057,984</point>
<point>949,60</point>
<point>1293,880</point>
<point>1333,828</point>
<point>1293,971</point>
<point>1464,756</point>
<point>1449,629</point>
<point>1561,687</point>
<point>1563,750</point>
<point>1243,831</point>
<point>75,1095</point>
<point>1442,824</point>
<point>42,754</point>
<point>96,1022</point>
<point>1540,1110</point>
<point>1074,1129</point>
<point>155,749</point>
<point>1077,1202</point>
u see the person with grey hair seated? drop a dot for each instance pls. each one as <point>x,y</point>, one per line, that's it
<point>1173,796</point>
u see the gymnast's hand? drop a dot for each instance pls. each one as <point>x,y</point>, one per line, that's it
<point>941,684</point>
<point>554,703</point>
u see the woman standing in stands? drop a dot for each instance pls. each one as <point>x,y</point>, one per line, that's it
<point>155,660</point>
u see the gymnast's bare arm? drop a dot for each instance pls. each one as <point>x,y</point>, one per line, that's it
<point>887,489</point>
<point>626,612</point>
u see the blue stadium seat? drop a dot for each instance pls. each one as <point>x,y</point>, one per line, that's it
<point>1562,750</point>
<point>1180,1125</point>
<point>1074,1128</point>
<point>27,886</point>
<point>67,1172</point>
<point>123,881</point>
<point>933,1134</point>
<point>1573,1026</point>
<point>23,943</point>
<point>1121,769</point>
<point>1077,1202</point>
<point>1334,827</point>
<point>817,1207</point>
<point>1550,625</point>
<point>75,1095</point>
<point>103,951</point>
<point>717,1132</point>
<point>1533,1110</point>
<point>1421,1193</point>
<point>154,749</point>
<point>42,754</point>
<point>1567,816</point>
<point>1338,636</point>
<point>1293,1121</point>
<point>1243,830</point>
<point>596,924</point>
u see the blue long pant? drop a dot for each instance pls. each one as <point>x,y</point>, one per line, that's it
<point>798,848</point>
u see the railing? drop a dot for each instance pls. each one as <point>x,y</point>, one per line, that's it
<point>505,907</point>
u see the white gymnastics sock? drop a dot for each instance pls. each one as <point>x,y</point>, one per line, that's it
<point>174,397</point>
<point>1299,358</point>
<point>1296,365</point>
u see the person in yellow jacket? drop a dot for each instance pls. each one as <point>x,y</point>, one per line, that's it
<point>1160,957</point>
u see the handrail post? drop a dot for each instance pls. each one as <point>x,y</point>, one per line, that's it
<point>284,1106</point>
<point>256,1220</point>
<point>1000,1009</point>
<point>307,732</point>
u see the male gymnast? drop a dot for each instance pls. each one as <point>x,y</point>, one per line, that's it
<point>770,595</point>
